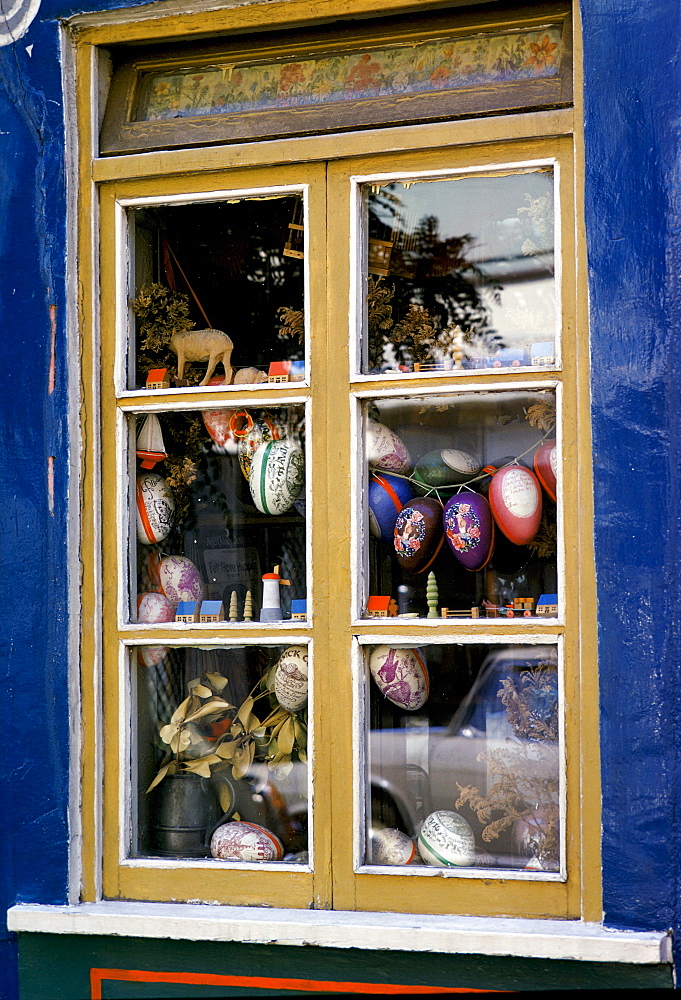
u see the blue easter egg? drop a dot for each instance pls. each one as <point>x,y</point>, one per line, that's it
<point>387,496</point>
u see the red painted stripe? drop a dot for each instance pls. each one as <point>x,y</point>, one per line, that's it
<point>276,843</point>
<point>391,492</point>
<point>142,511</point>
<point>97,977</point>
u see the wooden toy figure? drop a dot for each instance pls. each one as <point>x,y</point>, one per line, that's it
<point>212,346</point>
<point>248,607</point>
<point>270,610</point>
<point>432,596</point>
<point>233,608</point>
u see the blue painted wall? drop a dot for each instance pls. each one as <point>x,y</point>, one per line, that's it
<point>632,97</point>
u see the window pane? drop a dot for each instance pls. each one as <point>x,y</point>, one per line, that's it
<point>205,757</point>
<point>459,272</point>
<point>464,757</point>
<point>235,267</point>
<point>461,511</point>
<point>219,516</point>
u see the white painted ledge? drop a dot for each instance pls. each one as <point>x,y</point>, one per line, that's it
<point>552,939</point>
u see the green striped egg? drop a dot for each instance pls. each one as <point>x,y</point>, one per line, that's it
<point>276,476</point>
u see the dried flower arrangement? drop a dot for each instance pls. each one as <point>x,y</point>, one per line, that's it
<point>524,773</point>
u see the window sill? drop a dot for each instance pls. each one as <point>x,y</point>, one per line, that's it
<point>498,936</point>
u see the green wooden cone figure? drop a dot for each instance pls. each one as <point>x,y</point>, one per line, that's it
<point>432,596</point>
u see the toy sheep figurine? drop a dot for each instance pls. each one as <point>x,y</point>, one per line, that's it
<point>203,345</point>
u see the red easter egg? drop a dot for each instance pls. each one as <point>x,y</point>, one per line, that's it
<point>545,467</point>
<point>515,499</point>
<point>418,535</point>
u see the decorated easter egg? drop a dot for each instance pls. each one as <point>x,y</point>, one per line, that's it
<point>239,841</point>
<point>442,468</point>
<point>385,450</point>
<point>418,535</point>
<point>153,608</point>
<point>446,840</point>
<point>546,467</point>
<point>515,499</point>
<point>218,425</point>
<point>401,675</point>
<point>180,580</point>
<point>252,430</point>
<point>277,475</point>
<point>392,847</point>
<point>469,529</point>
<point>290,678</point>
<point>155,508</point>
<point>387,496</point>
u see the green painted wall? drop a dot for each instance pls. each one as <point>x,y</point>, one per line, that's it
<point>57,967</point>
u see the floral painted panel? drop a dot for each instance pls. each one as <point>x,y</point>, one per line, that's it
<point>433,66</point>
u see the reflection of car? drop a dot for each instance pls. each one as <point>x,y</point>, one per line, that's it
<point>418,769</point>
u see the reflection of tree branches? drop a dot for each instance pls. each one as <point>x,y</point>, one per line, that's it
<point>432,286</point>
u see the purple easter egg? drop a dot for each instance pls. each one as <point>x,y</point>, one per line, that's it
<point>387,496</point>
<point>417,535</point>
<point>469,529</point>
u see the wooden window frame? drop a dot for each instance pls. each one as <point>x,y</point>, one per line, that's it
<point>103,181</point>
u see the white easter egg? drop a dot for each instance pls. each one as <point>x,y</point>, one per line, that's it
<point>155,508</point>
<point>401,675</point>
<point>180,580</point>
<point>239,841</point>
<point>151,609</point>
<point>276,476</point>
<point>290,678</point>
<point>446,840</point>
<point>385,450</point>
<point>392,847</point>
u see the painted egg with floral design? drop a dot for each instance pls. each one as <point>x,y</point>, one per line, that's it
<point>417,535</point>
<point>385,450</point>
<point>387,496</point>
<point>516,502</point>
<point>447,840</point>
<point>401,675</point>
<point>291,679</point>
<point>240,841</point>
<point>155,508</point>
<point>546,467</point>
<point>469,529</point>
<point>180,580</point>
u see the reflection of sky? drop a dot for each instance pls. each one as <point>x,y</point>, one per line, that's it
<point>488,209</point>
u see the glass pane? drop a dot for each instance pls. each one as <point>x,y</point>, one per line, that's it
<point>219,531</point>
<point>464,757</point>
<point>218,292</point>
<point>459,273</point>
<point>211,777</point>
<point>461,506</point>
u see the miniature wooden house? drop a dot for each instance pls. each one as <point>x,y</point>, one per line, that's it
<point>187,611</point>
<point>212,611</point>
<point>158,379</point>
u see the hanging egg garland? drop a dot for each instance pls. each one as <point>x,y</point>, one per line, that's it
<point>442,469</point>
<point>401,675</point>
<point>155,508</point>
<point>387,496</point>
<point>385,450</point>
<point>469,529</point>
<point>418,534</point>
<point>276,475</point>
<point>516,502</point>
<point>546,467</point>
